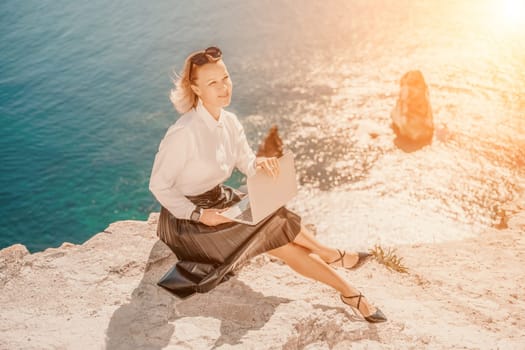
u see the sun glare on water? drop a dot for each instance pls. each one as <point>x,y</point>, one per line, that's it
<point>510,13</point>
<point>513,10</point>
<point>503,19</point>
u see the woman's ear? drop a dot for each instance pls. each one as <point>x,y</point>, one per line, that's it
<point>196,89</point>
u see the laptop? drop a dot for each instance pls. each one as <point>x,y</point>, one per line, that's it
<point>265,194</point>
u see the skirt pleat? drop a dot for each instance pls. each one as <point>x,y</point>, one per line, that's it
<point>208,255</point>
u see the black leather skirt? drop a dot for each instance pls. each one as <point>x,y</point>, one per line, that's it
<point>208,255</point>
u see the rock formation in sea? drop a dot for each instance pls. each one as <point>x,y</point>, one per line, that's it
<point>412,117</point>
<point>272,145</point>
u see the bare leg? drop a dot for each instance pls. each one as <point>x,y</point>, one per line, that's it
<point>312,266</point>
<point>307,240</point>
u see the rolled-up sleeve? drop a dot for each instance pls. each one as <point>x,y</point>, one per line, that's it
<point>169,162</point>
<point>245,156</point>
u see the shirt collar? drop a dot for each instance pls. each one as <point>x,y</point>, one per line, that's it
<point>207,118</point>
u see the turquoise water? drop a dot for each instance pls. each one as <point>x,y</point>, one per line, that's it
<point>84,100</point>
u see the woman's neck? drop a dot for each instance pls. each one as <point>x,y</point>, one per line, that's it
<point>214,111</point>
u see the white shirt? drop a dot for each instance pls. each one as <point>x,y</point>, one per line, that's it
<point>196,154</point>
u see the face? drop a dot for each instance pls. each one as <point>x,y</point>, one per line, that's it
<point>213,84</point>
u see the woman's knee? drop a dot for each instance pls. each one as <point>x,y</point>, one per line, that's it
<point>283,251</point>
<point>287,251</point>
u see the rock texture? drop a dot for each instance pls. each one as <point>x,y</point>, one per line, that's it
<point>412,116</point>
<point>102,295</point>
<point>272,145</point>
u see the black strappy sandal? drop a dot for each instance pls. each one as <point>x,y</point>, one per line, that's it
<point>376,317</point>
<point>362,257</point>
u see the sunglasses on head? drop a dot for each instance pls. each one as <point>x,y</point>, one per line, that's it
<point>202,57</point>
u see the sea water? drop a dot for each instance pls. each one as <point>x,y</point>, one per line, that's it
<point>84,104</point>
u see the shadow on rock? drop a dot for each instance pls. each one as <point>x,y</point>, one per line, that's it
<point>149,319</point>
<point>370,333</point>
<point>144,322</point>
<point>333,326</point>
<point>239,308</point>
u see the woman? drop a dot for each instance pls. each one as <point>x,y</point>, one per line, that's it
<point>197,154</point>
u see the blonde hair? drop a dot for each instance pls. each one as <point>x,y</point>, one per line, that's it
<point>182,95</point>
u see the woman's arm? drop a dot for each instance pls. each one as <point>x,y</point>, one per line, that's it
<point>169,162</point>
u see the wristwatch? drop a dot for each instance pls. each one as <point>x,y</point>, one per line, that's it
<point>196,214</point>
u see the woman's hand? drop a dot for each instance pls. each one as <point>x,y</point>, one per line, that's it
<point>210,217</point>
<point>270,165</point>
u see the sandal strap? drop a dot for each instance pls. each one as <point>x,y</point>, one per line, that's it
<point>359,296</point>
<point>341,256</point>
